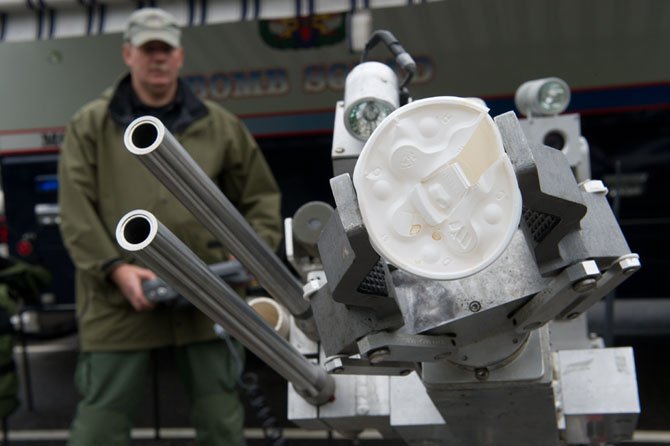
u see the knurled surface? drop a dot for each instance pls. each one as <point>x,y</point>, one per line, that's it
<point>374,282</point>
<point>539,223</point>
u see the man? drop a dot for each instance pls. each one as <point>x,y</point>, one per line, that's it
<point>99,182</point>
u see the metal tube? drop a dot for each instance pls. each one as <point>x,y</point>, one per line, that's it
<point>161,153</point>
<point>140,233</point>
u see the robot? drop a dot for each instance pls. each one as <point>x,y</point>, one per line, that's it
<point>443,300</point>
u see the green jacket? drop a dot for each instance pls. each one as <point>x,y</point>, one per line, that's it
<point>100,181</point>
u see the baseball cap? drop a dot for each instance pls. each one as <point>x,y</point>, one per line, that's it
<point>147,24</point>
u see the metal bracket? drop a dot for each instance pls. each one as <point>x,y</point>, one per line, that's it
<point>620,271</point>
<point>559,294</point>
<point>361,366</point>
<point>350,258</point>
<point>383,347</point>
<point>553,206</point>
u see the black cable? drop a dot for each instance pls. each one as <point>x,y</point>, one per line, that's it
<point>249,383</point>
<point>402,57</point>
<point>273,434</point>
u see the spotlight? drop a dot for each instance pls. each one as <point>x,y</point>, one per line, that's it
<point>543,97</point>
<point>371,94</point>
<point>543,101</point>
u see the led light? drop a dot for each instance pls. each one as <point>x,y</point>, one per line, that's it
<point>554,96</point>
<point>543,97</point>
<point>364,117</point>
<point>370,95</point>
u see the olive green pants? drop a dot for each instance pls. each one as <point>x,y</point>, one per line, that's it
<point>113,386</point>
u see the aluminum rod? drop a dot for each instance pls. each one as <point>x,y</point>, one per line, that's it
<point>160,152</point>
<point>140,233</point>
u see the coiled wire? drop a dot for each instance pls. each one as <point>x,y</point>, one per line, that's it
<point>255,396</point>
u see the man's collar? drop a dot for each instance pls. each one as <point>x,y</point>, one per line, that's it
<point>125,105</point>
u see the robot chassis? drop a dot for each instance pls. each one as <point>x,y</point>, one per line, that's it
<point>502,357</point>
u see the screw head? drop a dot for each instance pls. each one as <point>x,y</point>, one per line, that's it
<point>482,374</point>
<point>339,150</point>
<point>475,306</point>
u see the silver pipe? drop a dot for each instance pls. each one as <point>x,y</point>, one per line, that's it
<point>148,139</point>
<point>140,233</point>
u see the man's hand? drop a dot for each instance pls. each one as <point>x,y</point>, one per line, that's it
<point>129,280</point>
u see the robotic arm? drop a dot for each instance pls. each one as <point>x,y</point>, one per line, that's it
<point>445,302</point>
<point>466,250</point>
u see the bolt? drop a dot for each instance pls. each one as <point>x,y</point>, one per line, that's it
<point>339,150</point>
<point>584,285</point>
<point>337,370</point>
<point>482,374</point>
<point>594,187</point>
<point>629,264</point>
<point>572,316</point>
<point>378,356</point>
<point>475,306</point>
<point>405,372</point>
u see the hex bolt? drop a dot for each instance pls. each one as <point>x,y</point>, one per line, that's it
<point>594,187</point>
<point>584,285</point>
<point>629,264</point>
<point>482,374</point>
<point>475,306</point>
<point>334,365</point>
<point>378,356</point>
<point>339,150</point>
